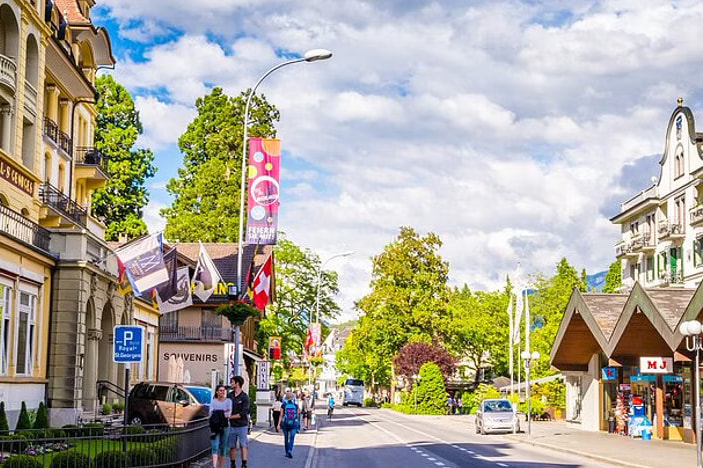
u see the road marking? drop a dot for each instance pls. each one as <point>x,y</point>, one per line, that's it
<point>501,464</point>
<point>311,452</point>
<point>439,463</point>
<point>432,459</point>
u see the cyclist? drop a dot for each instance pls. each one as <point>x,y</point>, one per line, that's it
<point>330,406</point>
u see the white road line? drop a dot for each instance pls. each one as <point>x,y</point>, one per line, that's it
<point>311,452</point>
<point>439,463</point>
<point>432,459</point>
<point>501,464</point>
<point>469,451</point>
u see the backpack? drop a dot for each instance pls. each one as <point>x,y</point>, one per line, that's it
<point>290,414</point>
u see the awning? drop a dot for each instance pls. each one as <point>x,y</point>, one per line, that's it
<point>252,356</point>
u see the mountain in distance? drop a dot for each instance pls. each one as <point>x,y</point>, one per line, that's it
<point>596,281</point>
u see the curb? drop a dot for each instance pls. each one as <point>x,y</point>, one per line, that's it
<point>600,458</point>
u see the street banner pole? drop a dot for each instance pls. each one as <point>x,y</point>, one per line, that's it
<point>510,339</point>
<point>697,343</point>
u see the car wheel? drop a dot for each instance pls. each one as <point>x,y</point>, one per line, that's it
<point>136,420</point>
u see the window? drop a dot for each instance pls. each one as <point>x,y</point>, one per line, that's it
<point>680,216</point>
<point>210,319</point>
<point>678,163</point>
<point>5,293</point>
<point>149,356</point>
<point>26,322</point>
<point>634,228</point>
<point>650,268</point>
<point>169,322</point>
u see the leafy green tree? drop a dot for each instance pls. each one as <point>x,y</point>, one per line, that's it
<point>207,189</point>
<point>431,393</point>
<point>23,423</point>
<point>359,360</point>
<point>613,279</point>
<point>294,307</point>
<point>42,419</point>
<point>584,281</point>
<point>122,200</point>
<point>4,425</point>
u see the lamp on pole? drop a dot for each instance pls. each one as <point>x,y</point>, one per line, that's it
<point>692,331</point>
<point>528,358</point>
<point>319,280</point>
<point>310,56</point>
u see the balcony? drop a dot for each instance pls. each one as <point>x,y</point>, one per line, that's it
<point>51,130</point>
<point>170,333</point>
<point>622,248</point>
<point>673,231</point>
<point>60,203</point>
<point>90,158</point>
<point>696,214</point>
<point>21,228</point>
<point>8,72</point>
<point>671,277</point>
<point>643,242</point>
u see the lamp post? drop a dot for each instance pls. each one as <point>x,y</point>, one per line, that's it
<point>319,280</point>
<point>528,357</point>
<point>310,56</point>
<point>692,331</point>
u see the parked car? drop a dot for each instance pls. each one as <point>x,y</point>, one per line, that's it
<point>161,402</point>
<point>496,416</point>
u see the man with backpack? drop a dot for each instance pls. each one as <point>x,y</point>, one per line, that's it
<point>239,421</point>
<point>289,422</point>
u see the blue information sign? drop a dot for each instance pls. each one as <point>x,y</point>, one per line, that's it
<point>609,374</point>
<point>127,344</point>
<point>643,378</point>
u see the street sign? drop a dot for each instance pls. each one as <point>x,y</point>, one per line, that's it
<point>127,342</point>
<point>262,375</point>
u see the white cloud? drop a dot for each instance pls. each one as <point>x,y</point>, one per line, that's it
<point>152,218</point>
<point>502,126</point>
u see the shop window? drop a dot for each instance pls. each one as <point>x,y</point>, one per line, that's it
<point>210,319</point>
<point>24,349</point>
<point>5,293</point>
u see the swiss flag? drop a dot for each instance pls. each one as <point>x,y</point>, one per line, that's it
<point>261,286</point>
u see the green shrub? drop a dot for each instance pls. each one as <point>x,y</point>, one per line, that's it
<point>118,407</point>
<point>93,430</point>
<point>71,430</point>
<point>71,459</point>
<point>431,393</point>
<point>4,425</point>
<point>15,443</point>
<point>165,451</point>
<point>252,403</point>
<point>42,419</point>
<point>23,422</point>
<point>386,405</point>
<point>133,430</point>
<point>112,459</point>
<point>536,407</point>
<point>22,461</point>
<point>106,409</point>
<point>142,457</point>
<point>370,402</point>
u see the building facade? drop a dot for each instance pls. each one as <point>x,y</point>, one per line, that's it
<point>662,226</point>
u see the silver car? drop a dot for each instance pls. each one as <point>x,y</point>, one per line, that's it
<point>496,416</point>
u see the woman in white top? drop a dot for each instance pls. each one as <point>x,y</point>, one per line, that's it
<point>276,411</point>
<point>219,437</point>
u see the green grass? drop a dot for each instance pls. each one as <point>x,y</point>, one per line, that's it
<point>91,448</point>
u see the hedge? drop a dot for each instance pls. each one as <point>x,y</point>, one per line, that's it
<point>22,461</point>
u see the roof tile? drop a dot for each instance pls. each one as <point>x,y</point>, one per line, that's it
<point>606,310</point>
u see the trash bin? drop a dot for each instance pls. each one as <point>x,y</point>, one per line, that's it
<point>611,425</point>
<point>646,433</point>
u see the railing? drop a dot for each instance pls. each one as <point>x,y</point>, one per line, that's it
<point>195,334</point>
<point>19,227</point>
<point>642,241</point>
<point>623,248</point>
<point>8,71</point>
<point>30,95</point>
<point>90,156</point>
<point>651,192</point>
<point>151,446</point>
<point>51,196</point>
<point>696,214</point>
<point>673,229</point>
<point>51,129</point>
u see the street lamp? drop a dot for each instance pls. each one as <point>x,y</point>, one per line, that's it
<point>319,280</point>
<point>692,331</point>
<point>310,56</point>
<point>528,358</point>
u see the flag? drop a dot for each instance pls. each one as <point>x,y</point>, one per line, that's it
<point>168,289</point>
<point>182,298</point>
<point>263,191</point>
<point>206,276</point>
<point>123,286</point>
<point>261,286</point>
<point>308,342</point>
<point>519,286</point>
<point>144,263</point>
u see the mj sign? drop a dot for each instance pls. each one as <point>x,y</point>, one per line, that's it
<point>656,365</point>
<point>127,344</point>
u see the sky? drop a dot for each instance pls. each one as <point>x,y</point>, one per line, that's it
<point>512,129</point>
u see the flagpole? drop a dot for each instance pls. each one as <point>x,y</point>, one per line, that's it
<point>510,339</point>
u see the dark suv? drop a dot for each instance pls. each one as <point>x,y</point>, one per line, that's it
<point>161,402</point>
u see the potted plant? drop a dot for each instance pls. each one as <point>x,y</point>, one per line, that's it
<point>237,311</point>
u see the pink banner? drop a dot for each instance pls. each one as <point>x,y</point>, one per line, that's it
<point>264,190</point>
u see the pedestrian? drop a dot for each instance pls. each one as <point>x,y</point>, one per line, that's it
<point>278,402</point>
<point>289,423</point>
<point>330,407</point>
<point>220,411</point>
<point>458,404</point>
<point>238,422</point>
<point>305,411</point>
<point>449,404</point>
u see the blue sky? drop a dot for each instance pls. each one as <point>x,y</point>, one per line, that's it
<point>512,129</point>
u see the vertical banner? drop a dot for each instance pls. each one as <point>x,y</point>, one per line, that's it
<point>263,191</point>
<point>316,338</point>
<point>262,375</point>
<point>274,348</point>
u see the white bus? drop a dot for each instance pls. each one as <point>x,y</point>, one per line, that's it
<point>353,392</point>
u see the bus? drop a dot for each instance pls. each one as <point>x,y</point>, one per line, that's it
<point>353,392</point>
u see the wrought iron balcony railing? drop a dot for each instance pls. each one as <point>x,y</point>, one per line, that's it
<point>53,197</point>
<point>88,155</point>
<point>21,228</point>
<point>51,129</point>
<point>171,333</point>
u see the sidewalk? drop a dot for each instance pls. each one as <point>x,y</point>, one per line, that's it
<point>608,448</point>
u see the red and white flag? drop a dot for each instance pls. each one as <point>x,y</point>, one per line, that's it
<point>261,286</point>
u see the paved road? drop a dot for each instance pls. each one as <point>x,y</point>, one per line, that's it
<point>369,438</point>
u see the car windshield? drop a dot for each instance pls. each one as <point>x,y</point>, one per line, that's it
<point>354,382</point>
<point>500,406</point>
<point>203,395</point>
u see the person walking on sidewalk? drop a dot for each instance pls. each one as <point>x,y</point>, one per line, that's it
<point>276,411</point>
<point>220,411</point>
<point>238,422</point>
<point>305,410</point>
<point>289,423</point>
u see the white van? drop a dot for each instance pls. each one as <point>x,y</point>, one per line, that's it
<point>353,392</point>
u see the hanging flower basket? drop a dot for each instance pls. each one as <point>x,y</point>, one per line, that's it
<point>237,312</point>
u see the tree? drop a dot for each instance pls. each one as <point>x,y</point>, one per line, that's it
<point>42,419</point>
<point>584,281</point>
<point>207,190</point>
<point>613,279</point>
<point>122,200</point>
<point>23,422</point>
<point>296,290</point>
<point>413,355</point>
<point>4,425</point>
<point>431,393</point>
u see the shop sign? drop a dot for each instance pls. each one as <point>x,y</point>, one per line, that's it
<point>672,379</point>
<point>609,374</point>
<point>16,178</point>
<point>643,378</point>
<point>656,365</point>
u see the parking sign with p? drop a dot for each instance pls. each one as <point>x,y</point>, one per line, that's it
<point>127,341</point>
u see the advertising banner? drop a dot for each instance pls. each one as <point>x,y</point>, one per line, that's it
<point>274,348</point>
<point>263,191</point>
<point>316,338</point>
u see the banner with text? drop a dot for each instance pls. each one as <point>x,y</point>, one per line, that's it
<point>263,191</point>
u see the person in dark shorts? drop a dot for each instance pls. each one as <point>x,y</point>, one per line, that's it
<point>238,422</point>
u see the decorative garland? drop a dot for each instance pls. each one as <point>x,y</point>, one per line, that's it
<point>237,311</point>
